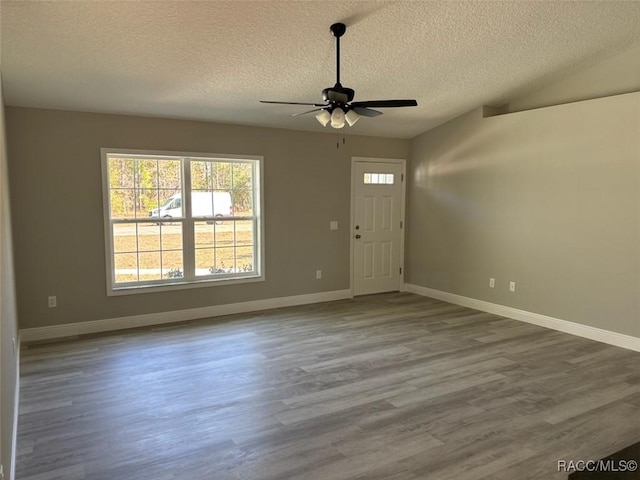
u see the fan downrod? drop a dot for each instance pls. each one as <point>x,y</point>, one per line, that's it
<point>338,29</point>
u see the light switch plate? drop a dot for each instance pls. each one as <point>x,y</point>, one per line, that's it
<point>333,225</point>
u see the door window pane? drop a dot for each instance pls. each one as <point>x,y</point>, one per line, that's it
<point>379,178</point>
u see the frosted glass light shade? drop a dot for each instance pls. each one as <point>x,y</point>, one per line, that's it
<point>351,117</point>
<point>323,117</point>
<point>337,118</point>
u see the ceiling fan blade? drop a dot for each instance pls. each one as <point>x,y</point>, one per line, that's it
<point>294,103</point>
<point>366,112</point>
<point>385,103</point>
<point>309,111</point>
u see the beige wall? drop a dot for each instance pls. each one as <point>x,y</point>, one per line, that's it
<point>613,76</point>
<point>57,209</point>
<point>548,198</point>
<point>8,318</point>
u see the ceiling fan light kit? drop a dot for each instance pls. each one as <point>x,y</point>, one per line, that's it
<point>337,118</point>
<point>338,106</point>
<point>324,117</point>
<point>351,117</point>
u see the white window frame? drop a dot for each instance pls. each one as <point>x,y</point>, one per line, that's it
<point>189,280</point>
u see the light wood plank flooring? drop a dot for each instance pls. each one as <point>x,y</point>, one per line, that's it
<point>392,386</point>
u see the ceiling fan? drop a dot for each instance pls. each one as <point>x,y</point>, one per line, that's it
<point>338,105</point>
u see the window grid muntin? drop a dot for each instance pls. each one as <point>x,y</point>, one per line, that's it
<point>138,251</point>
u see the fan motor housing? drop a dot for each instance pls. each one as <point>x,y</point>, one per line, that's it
<point>338,94</point>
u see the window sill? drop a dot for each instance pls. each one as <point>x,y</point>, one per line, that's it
<point>166,287</point>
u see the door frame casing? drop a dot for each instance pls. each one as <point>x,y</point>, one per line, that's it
<point>398,161</point>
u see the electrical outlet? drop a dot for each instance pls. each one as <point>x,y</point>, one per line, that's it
<point>492,282</point>
<point>53,301</point>
<point>512,286</point>
<point>333,225</point>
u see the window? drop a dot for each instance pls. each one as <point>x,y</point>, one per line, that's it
<point>379,178</point>
<point>181,220</point>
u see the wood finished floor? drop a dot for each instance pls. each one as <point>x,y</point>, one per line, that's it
<point>392,386</point>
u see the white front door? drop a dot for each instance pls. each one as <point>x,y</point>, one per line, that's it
<point>377,227</point>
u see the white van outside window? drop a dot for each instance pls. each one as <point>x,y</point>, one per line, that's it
<point>203,204</point>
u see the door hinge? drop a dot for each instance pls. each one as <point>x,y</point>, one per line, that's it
<point>401,224</point>
<point>402,177</point>
<point>400,270</point>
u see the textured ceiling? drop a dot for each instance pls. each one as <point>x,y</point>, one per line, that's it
<point>214,60</point>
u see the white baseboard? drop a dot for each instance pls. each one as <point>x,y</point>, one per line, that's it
<point>592,333</point>
<point>110,324</point>
<point>16,411</point>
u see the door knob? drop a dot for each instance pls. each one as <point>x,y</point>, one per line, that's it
<point>357,236</point>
